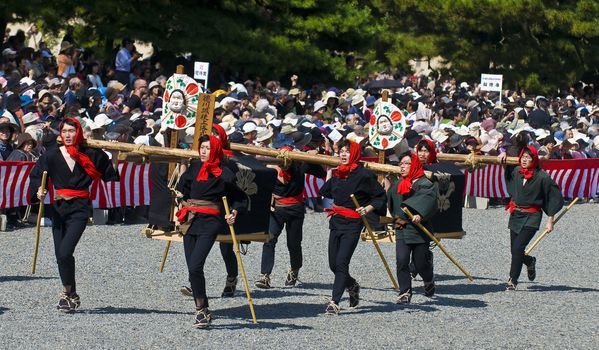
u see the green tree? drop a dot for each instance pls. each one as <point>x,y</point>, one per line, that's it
<point>538,45</point>
<point>268,38</point>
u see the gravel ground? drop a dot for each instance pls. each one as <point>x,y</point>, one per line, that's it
<point>127,303</point>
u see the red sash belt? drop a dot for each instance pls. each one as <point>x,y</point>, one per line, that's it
<point>511,206</point>
<point>346,212</point>
<point>297,199</point>
<point>67,193</point>
<point>182,213</point>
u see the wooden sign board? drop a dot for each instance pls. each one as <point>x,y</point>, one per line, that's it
<point>204,117</point>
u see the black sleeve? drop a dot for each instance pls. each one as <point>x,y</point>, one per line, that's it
<point>325,190</point>
<point>378,196</point>
<point>35,177</point>
<point>509,172</point>
<point>390,192</point>
<point>104,166</point>
<point>313,169</point>
<point>237,199</point>
<point>184,184</point>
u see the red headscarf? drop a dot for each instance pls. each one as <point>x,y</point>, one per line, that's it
<point>212,165</point>
<point>343,170</point>
<point>432,156</point>
<point>530,171</point>
<point>79,157</point>
<point>415,172</point>
<point>285,173</point>
<point>222,135</point>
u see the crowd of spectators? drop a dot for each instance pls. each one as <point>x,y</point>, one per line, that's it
<point>122,100</point>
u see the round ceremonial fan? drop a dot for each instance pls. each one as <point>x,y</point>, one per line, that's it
<point>180,102</point>
<point>387,126</point>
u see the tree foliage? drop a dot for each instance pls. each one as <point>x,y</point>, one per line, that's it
<point>538,45</point>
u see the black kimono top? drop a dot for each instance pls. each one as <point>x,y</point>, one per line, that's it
<point>421,200</point>
<point>539,190</point>
<point>211,190</point>
<point>363,184</point>
<point>296,185</point>
<point>62,177</point>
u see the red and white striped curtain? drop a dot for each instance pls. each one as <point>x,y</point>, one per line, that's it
<point>133,189</point>
<point>575,178</point>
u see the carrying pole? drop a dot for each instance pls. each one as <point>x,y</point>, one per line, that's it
<point>240,262</point>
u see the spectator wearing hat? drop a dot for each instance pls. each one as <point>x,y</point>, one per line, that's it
<point>249,130</point>
<point>528,107</point>
<point>155,92</point>
<point>331,101</point>
<point>23,152</point>
<point>124,58</point>
<point>113,102</point>
<point>7,131</point>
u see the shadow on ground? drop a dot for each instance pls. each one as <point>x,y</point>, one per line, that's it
<point>559,288</point>
<point>24,278</point>
<point>274,311</point>
<point>131,310</point>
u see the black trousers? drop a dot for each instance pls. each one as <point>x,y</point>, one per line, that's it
<point>519,241</point>
<point>419,254</point>
<point>342,244</point>
<point>68,223</point>
<point>292,218</point>
<point>197,248</point>
<point>228,254</point>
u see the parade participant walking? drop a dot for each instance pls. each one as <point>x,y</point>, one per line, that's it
<point>346,223</point>
<point>72,169</point>
<point>417,193</point>
<point>226,249</point>
<point>288,212</point>
<point>203,185</point>
<point>532,192</point>
<point>427,154</point>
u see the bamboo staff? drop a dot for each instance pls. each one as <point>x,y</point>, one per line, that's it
<point>376,244</point>
<point>281,154</point>
<point>172,180</point>
<point>240,262</point>
<point>545,233</point>
<point>431,236</point>
<point>40,214</point>
<point>473,159</point>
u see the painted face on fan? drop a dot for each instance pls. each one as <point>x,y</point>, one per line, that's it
<point>205,151</point>
<point>68,133</point>
<point>176,102</point>
<point>344,155</point>
<point>384,125</point>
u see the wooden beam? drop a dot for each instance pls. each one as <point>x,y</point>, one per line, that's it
<point>274,153</point>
